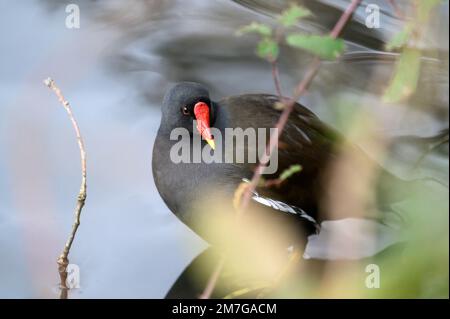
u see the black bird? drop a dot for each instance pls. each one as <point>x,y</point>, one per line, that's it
<point>306,141</point>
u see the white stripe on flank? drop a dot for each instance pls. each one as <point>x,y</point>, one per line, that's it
<point>281,206</point>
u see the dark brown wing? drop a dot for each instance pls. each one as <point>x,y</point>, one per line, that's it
<point>309,142</point>
<point>306,141</point>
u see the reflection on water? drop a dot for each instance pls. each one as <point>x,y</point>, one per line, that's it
<point>114,70</point>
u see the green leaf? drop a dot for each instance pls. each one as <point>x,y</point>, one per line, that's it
<point>400,39</point>
<point>244,291</point>
<point>290,171</point>
<point>325,47</point>
<point>268,49</point>
<point>292,15</point>
<point>424,8</point>
<point>406,76</point>
<point>255,27</point>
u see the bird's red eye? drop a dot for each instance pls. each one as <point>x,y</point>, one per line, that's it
<point>185,110</point>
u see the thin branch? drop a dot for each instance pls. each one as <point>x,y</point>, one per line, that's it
<point>63,260</point>
<point>213,279</point>
<point>274,64</point>
<point>276,78</point>
<point>299,91</point>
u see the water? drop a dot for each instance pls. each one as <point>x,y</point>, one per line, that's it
<point>114,71</point>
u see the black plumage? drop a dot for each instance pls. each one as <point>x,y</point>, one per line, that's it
<point>306,141</point>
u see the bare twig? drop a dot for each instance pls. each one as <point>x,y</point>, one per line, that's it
<point>63,260</point>
<point>213,279</point>
<point>289,106</point>
<point>274,64</point>
<point>276,78</point>
<point>299,91</point>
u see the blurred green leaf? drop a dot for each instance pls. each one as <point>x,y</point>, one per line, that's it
<point>268,49</point>
<point>244,291</point>
<point>255,27</point>
<point>325,47</point>
<point>290,171</point>
<point>421,269</point>
<point>424,8</point>
<point>400,39</point>
<point>406,76</point>
<point>292,15</point>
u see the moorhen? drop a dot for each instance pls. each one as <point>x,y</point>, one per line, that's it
<point>306,141</point>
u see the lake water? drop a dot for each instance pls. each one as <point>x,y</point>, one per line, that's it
<point>114,71</point>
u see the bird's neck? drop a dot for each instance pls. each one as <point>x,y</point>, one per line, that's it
<point>219,117</point>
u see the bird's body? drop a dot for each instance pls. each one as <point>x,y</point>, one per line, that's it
<point>305,141</point>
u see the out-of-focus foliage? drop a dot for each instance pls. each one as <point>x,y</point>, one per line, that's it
<point>166,41</point>
<point>325,47</point>
<point>404,82</point>
<point>292,16</point>
<point>255,27</point>
<point>417,267</point>
<point>406,76</point>
<point>414,269</point>
<point>293,169</point>
<point>421,269</point>
<point>400,39</point>
<point>268,49</point>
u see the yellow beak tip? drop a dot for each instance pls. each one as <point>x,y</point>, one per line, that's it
<point>211,144</point>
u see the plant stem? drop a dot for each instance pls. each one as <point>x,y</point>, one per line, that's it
<point>276,78</point>
<point>299,91</point>
<point>213,279</point>
<point>289,106</point>
<point>63,259</point>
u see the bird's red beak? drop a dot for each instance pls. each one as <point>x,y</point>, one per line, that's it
<point>201,112</point>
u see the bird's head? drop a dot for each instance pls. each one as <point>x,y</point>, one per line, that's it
<point>185,102</point>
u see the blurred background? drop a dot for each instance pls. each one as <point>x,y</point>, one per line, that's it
<point>115,69</point>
